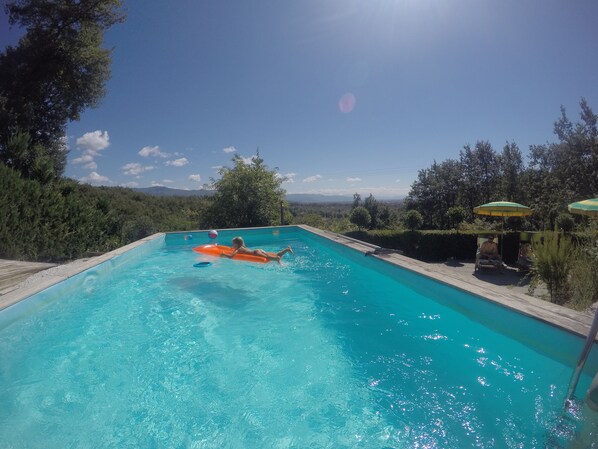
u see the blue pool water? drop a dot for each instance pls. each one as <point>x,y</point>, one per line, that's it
<point>328,350</point>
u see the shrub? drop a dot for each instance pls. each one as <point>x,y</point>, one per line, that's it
<point>413,220</point>
<point>583,279</point>
<point>455,215</point>
<point>360,217</point>
<point>565,223</point>
<point>553,257</point>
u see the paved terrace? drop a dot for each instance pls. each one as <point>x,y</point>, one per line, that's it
<point>13,272</point>
<point>19,280</point>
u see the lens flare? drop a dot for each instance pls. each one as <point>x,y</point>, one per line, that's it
<point>347,103</point>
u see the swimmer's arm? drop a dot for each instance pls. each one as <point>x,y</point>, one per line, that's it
<point>231,255</point>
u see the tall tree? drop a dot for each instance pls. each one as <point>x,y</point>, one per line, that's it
<point>577,152</point>
<point>480,174</point>
<point>511,168</point>
<point>58,69</point>
<point>247,195</point>
<point>435,191</point>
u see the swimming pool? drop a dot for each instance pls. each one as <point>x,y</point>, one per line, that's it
<point>330,349</point>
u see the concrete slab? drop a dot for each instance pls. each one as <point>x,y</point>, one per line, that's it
<point>13,272</point>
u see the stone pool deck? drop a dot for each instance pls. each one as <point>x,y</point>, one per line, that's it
<point>13,272</point>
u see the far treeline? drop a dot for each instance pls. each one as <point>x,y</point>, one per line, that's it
<point>555,175</point>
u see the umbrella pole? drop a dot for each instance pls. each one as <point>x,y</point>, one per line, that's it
<point>502,239</point>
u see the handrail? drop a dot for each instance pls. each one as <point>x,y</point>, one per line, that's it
<point>583,356</point>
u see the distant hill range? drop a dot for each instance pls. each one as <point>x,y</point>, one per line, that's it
<point>291,197</point>
<point>167,191</point>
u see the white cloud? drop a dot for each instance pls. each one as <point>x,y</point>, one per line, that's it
<point>177,162</point>
<point>195,178</point>
<point>398,180</point>
<point>287,178</point>
<point>229,150</point>
<point>248,160</point>
<point>353,179</point>
<point>167,181</point>
<point>216,167</point>
<point>93,142</point>
<point>134,168</point>
<point>152,151</point>
<point>94,177</point>
<point>312,178</point>
<point>131,184</point>
<point>157,184</point>
<point>84,159</point>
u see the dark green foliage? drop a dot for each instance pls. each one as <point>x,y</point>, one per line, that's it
<point>455,215</point>
<point>511,167</point>
<point>373,208</point>
<point>556,175</point>
<point>480,175</point>
<point>43,223</point>
<point>583,280</point>
<point>381,216</point>
<point>32,161</point>
<point>413,220</point>
<point>330,216</point>
<point>66,220</point>
<point>565,223</point>
<point>247,195</point>
<point>58,69</point>
<point>431,246</point>
<point>360,217</point>
<point>435,246</point>
<point>553,258</point>
<point>435,191</point>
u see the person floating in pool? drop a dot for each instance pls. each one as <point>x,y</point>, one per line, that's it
<point>240,248</point>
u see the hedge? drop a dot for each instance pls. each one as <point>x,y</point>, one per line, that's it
<point>436,246</point>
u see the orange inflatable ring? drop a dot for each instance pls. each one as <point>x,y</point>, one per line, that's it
<point>219,250</point>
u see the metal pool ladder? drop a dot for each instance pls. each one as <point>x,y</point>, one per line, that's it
<point>583,356</point>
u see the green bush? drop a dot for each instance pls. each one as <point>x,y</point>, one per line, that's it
<point>360,217</point>
<point>65,220</point>
<point>436,246</point>
<point>413,220</point>
<point>552,261</point>
<point>583,280</point>
<point>565,223</point>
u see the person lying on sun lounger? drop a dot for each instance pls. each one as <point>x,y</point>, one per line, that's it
<point>489,250</point>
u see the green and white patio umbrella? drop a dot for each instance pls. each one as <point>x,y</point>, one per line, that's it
<point>503,209</point>
<point>585,207</point>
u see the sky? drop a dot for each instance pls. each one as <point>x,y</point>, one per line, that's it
<point>340,96</point>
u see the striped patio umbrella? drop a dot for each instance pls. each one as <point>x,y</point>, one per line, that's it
<point>585,207</point>
<point>503,209</point>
